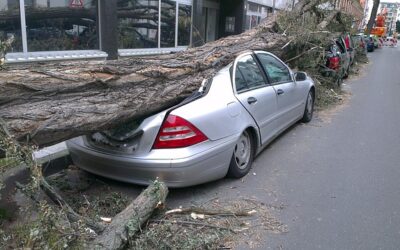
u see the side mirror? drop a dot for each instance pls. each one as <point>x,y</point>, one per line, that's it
<point>300,76</point>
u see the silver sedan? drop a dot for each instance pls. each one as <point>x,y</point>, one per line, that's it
<point>214,133</point>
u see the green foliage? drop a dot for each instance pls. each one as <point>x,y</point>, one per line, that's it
<point>49,230</point>
<point>306,50</point>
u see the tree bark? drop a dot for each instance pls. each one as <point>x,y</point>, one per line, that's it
<point>371,21</point>
<point>127,223</point>
<point>51,102</point>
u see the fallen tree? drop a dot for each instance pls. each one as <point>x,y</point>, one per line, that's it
<point>50,102</point>
<point>53,102</point>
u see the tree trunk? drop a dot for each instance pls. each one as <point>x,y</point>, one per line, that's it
<point>373,16</point>
<point>127,223</point>
<point>48,103</point>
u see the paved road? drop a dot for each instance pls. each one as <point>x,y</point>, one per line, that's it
<point>338,176</point>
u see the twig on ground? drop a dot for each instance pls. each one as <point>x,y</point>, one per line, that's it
<point>200,210</point>
<point>193,223</point>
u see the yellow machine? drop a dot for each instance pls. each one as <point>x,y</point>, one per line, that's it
<point>380,28</point>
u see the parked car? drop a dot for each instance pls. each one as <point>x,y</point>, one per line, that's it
<point>216,132</point>
<point>332,59</point>
<point>345,56</point>
<point>347,41</point>
<point>370,44</point>
<point>376,41</point>
<point>337,61</point>
<point>359,42</point>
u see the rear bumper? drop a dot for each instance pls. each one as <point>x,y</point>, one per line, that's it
<point>208,165</point>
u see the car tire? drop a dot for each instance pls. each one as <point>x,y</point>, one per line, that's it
<point>346,73</point>
<point>309,109</point>
<point>338,80</point>
<point>242,157</point>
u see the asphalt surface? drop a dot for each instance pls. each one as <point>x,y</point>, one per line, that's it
<point>338,176</point>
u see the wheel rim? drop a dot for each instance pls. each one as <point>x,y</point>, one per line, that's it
<point>242,151</point>
<point>309,104</point>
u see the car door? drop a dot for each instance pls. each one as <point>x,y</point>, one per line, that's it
<point>255,94</point>
<point>289,93</point>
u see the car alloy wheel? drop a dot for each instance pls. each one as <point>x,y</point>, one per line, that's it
<point>242,157</point>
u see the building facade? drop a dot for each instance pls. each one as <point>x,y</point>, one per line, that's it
<point>72,29</point>
<point>392,15</point>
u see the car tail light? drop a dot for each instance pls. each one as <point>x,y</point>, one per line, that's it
<point>176,132</point>
<point>333,62</point>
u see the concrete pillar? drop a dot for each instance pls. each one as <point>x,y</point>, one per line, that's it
<point>108,26</point>
<point>197,20</point>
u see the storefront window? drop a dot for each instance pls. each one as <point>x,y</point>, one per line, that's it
<point>10,24</point>
<point>184,24</point>
<point>168,23</point>
<point>61,25</point>
<point>137,24</point>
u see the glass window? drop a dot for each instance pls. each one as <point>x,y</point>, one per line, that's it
<point>247,74</point>
<point>137,24</point>
<point>340,46</point>
<point>61,25</point>
<point>10,24</point>
<point>168,22</point>
<point>184,24</point>
<point>230,24</point>
<point>276,70</point>
<point>253,7</point>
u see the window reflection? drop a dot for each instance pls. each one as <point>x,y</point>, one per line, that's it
<point>10,24</point>
<point>61,25</point>
<point>184,24</point>
<point>137,24</point>
<point>168,22</point>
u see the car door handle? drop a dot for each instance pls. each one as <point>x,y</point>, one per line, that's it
<point>280,92</point>
<point>251,100</point>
